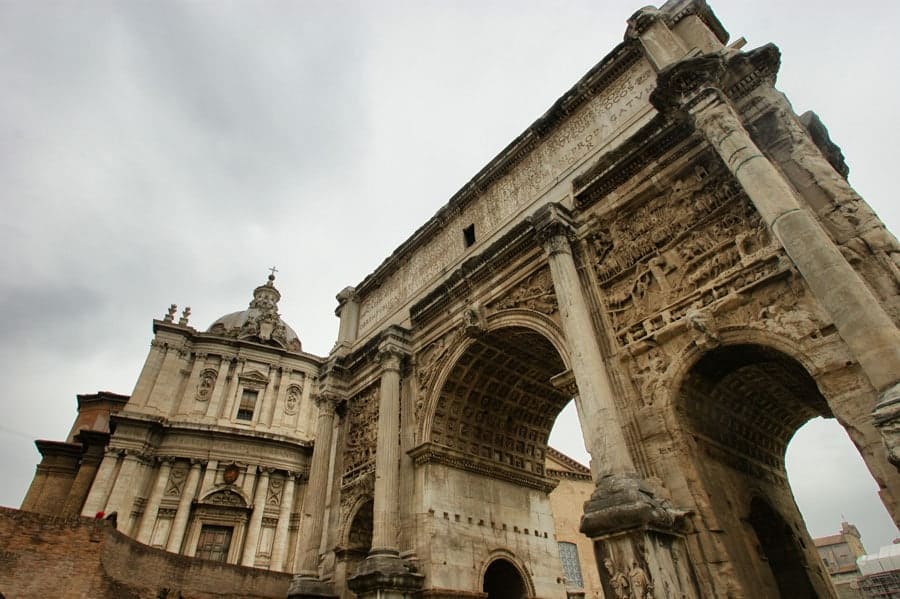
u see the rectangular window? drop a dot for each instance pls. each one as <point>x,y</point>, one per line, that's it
<point>214,542</point>
<point>469,236</point>
<point>568,556</point>
<point>248,404</point>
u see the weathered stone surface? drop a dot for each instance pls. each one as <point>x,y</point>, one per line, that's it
<point>669,245</point>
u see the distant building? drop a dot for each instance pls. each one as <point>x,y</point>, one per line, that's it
<point>839,554</point>
<point>880,574</point>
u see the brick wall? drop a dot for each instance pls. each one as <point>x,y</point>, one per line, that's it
<point>45,556</point>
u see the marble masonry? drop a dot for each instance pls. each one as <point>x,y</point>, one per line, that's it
<point>669,245</point>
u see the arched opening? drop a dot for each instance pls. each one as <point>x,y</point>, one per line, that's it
<point>503,581</point>
<point>741,405</point>
<point>359,536</point>
<point>356,540</point>
<point>499,402</point>
<point>487,437</point>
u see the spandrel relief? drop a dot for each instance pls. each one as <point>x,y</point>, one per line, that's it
<point>535,293</point>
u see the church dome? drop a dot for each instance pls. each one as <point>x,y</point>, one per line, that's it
<point>260,322</point>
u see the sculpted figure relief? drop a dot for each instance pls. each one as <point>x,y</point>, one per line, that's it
<point>292,399</point>
<point>534,293</point>
<point>617,580</point>
<point>205,385</point>
<point>359,455</point>
<point>681,251</point>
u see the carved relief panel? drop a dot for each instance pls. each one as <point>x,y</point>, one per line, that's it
<point>362,434</point>
<point>667,259</point>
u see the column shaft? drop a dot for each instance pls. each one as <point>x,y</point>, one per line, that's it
<point>183,513</point>
<point>387,465</point>
<point>282,531</point>
<point>148,521</point>
<point>259,506</point>
<point>599,419</point>
<point>859,318</point>
<point>314,499</point>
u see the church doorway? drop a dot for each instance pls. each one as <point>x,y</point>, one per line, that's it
<point>503,581</point>
<point>214,542</point>
<point>741,405</point>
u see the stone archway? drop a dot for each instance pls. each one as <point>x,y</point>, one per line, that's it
<point>490,422</point>
<point>498,403</point>
<point>502,580</point>
<point>740,405</point>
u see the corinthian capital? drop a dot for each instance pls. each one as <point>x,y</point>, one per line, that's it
<point>327,402</point>
<point>393,348</point>
<point>554,228</point>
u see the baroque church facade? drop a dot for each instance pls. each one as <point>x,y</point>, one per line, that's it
<point>669,245</point>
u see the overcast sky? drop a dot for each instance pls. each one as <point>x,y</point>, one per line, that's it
<point>160,152</point>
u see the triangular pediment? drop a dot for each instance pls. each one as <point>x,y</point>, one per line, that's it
<point>254,376</point>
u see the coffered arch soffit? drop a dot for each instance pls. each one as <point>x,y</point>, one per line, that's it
<point>459,344</point>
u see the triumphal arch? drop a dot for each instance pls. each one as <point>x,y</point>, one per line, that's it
<point>669,245</point>
<point>677,250</point>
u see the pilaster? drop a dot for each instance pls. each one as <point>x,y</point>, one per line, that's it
<point>100,489</point>
<point>280,545</point>
<point>148,520</point>
<point>251,542</point>
<point>183,513</point>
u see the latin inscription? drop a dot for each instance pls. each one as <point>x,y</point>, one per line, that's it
<point>593,125</point>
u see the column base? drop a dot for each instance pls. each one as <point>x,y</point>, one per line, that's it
<point>386,576</point>
<point>638,542</point>
<point>622,502</point>
<point>309,587</point>
<point>887,419</point>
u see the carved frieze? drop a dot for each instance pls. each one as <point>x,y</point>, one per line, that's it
<point>362,434</point>
<point>667,259</point>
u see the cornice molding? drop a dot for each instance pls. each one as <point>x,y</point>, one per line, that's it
<point>431,453</point>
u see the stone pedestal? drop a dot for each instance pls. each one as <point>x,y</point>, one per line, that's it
<point>638,541</point>
<point>308,587</point>
<point>385,576</point>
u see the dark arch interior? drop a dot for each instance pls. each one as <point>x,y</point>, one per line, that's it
<point>503,581</point>
<point>498,402</point>
<point>741,405</point>
<point>360,535</point>
<point>749,400</point>
<point>779,548</point>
